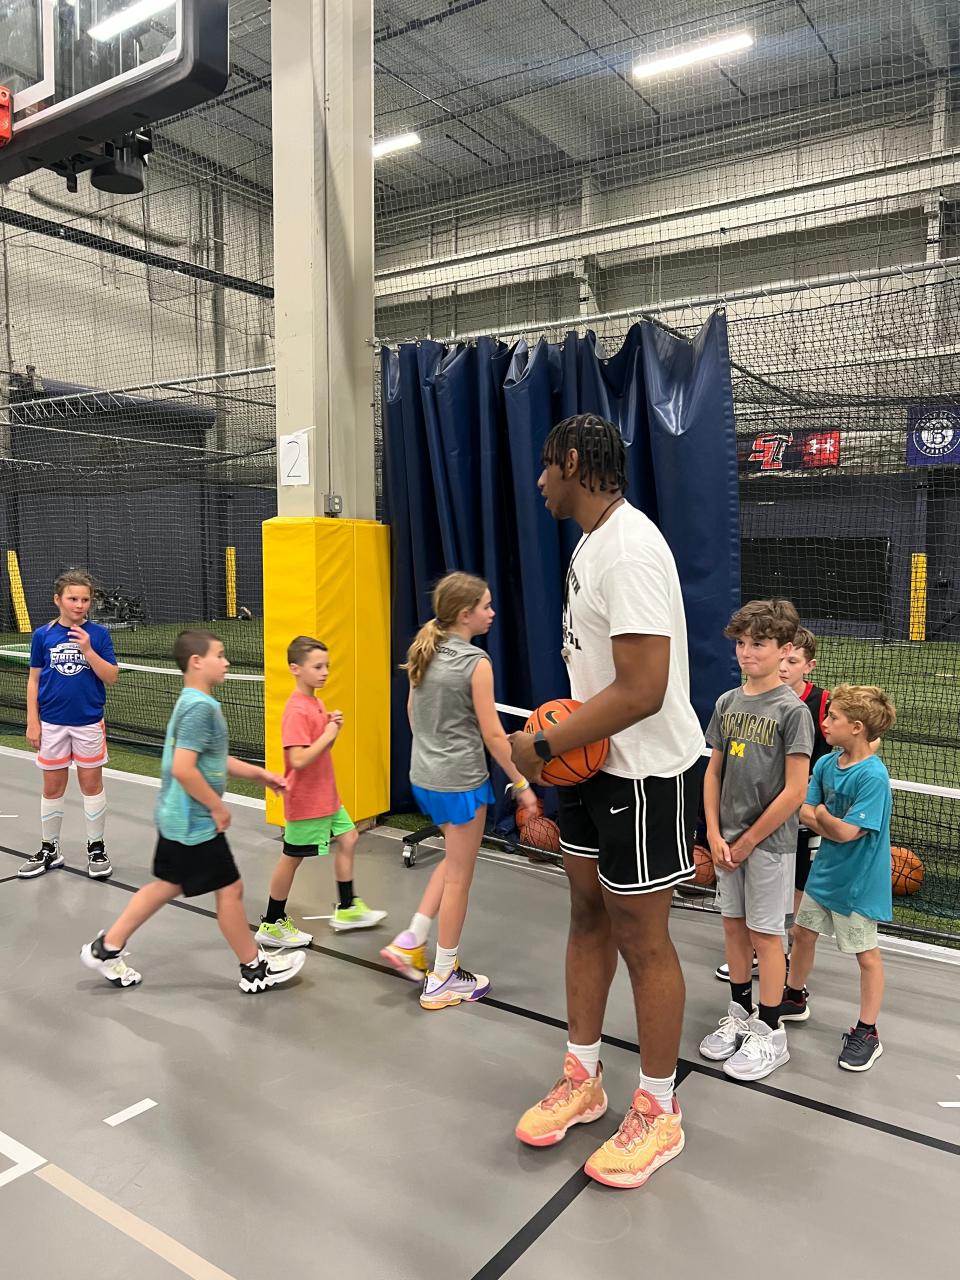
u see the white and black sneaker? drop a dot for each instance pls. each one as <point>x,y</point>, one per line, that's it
<point>270,971</point>
<point>47,858</point>
<point>98,864</point>
<point>722,971</point>
<point>97,956</point>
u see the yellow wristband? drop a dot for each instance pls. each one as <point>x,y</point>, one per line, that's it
<point>520,785</point>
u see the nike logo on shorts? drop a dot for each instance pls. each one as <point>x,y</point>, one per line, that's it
<point>623,809</point>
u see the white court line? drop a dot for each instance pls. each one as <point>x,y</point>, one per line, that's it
<point>948,1104</point>
<point>158,1242</point>
<point>24,1160</point>
<point>137,1109</point>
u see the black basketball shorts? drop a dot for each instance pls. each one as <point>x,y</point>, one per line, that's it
<point>197,868</point>
<point>639,830</point>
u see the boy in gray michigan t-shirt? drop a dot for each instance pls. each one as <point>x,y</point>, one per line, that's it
<point>761,736</point>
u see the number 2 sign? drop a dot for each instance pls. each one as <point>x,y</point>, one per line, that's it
<point>293,459</point>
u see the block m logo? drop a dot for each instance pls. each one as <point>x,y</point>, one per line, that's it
<point>736,749</point>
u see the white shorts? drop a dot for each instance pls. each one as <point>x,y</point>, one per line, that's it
<point>61,745</point>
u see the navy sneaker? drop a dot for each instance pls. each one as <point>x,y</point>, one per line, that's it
<point>860,1050</point>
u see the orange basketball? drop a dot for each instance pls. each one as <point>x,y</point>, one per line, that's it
<point>706,871</point>
<point>907,871</point>
<point>578,765</point>
<point>541,833</point>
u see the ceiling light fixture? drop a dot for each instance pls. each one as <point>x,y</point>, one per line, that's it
<point>132,16</point>
<point>402,142</point>
<point>699,53</point>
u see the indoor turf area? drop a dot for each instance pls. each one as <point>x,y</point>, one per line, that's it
<point>296,298</point>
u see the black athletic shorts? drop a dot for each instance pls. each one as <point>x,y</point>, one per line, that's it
<point>197,868</point>
<point>640,830</point>
<point>808,842</point>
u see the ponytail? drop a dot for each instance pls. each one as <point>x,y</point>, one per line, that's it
<point>451,595</point>
<point>421,653</point>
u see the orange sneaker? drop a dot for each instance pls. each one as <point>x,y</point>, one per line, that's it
<point>647,1139</point>
<point>576,1098</point>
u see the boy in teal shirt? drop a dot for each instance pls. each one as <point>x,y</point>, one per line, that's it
<point>192,855</point>
<point>849,888</point>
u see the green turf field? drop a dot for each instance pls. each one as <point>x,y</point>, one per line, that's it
<point>923,679</point>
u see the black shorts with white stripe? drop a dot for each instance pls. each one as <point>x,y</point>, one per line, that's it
<point>640,830</point>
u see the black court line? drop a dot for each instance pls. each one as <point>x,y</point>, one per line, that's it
<point>560,1201</point>
<point>685,1066</point>
<point>4,879</point>
<point>531,1231</point>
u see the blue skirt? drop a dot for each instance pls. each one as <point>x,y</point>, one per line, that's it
<point>456,807</point>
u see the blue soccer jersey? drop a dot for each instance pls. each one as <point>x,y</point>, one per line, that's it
<point>70,691</point>
<point>854,876</point>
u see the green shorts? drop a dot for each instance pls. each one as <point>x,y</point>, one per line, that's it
<point>854,933</point>
<point>310,838</point>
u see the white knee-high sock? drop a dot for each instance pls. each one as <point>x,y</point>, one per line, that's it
<point>95,813</point>
<point>51,818</point>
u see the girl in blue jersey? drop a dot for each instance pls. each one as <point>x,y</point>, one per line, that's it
<point>71,663</point>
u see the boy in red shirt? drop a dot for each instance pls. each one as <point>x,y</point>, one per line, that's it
<point>314,815</point>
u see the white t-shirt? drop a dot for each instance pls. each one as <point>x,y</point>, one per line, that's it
<point>623,581</point>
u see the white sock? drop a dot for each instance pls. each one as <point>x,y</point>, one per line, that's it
<point>51,818</point>
<point>95,813</point>
<point>662,1090</point>
<point>445,960</point>
<point>420,927</point>
<point>589,1055</point>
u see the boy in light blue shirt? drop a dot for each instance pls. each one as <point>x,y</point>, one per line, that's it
<point>849,888</point>
<point>192,855</point>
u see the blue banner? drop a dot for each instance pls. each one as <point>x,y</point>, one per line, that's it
<point>933,435</point>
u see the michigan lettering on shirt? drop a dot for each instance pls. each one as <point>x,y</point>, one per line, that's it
<point>742,726</point>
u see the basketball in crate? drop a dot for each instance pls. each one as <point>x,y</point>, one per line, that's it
<point>578,765</point>
<point>541,833</point>
<point>706,874</point>
<point>907,871</point>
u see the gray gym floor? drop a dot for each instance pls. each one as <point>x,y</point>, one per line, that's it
<point>333,1127</point>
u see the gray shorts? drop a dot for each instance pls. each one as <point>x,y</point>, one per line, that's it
<point>759,891</point>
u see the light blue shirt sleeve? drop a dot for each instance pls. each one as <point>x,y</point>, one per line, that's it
<point>868,807</point>
<point>815,788</point>
<point>195,727</point>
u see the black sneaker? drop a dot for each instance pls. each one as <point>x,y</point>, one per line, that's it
<point>270,971</point>
<point>47,858</point>
<point>98,864</point>
<point>860,1050</point>
<point>794,1010</point>
<point>722,971</point>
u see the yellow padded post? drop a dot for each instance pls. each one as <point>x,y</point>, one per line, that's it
<point>331,579</point>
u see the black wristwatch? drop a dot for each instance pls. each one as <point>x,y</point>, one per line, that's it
<point>542,747</point>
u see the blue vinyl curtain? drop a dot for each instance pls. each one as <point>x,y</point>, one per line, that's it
<point>464,427</point>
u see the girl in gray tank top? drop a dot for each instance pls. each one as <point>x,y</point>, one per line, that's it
<point>455,723</point>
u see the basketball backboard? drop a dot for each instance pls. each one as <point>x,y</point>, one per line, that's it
<point>86,75</point>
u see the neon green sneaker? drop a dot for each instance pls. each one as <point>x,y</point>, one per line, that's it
<point>358,916</point>
<point>283,933</point>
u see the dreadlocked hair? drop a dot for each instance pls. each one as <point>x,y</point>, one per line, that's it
<point>451,595</point>
<point>599,446</point>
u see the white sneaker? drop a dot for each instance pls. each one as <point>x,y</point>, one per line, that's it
<point>111,965</point>
<point>270,971</point>
<point>283,933</point>
<point>722,971</point>
<point>728,1037</point>
<point>761,1052</point>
